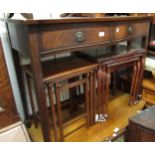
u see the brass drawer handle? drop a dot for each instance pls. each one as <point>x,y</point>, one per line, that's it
<point>79,36</point>
<point>117,30</point>
<point>130,30</point>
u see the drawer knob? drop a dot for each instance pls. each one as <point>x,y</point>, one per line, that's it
<point>130,31</point>
<point>79,36</point>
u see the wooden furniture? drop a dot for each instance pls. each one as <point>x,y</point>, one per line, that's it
<point>40,38</point>
<point>109,60</point>
<point>8,112</point>
<point>145,14</point>
<point>148,93</point>
<point>56,71</point>
<point>142,127</point>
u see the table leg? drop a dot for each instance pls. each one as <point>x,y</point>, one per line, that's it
<point>99,89</point>
<point>137,81</point>
<point>142,63</point>
<point>103,97</point>
<point>91,98</point>
<point>94,95</point>
<point>133,83</point>
<point>59,112</point>
<point>39,86</point>
<point>51,99</point>
<point>88,115</point>
<point>29,85</point>
<point>107,94</point>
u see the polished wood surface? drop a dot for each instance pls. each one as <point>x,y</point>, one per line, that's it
<point>80,19</point>
<point>103,28</point>
<point>9,113</point>
<point>60,38</point>
<point>58,69</point>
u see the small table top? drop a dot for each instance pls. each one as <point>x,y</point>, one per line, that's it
<point>146,118</point>
<point>57,68</point>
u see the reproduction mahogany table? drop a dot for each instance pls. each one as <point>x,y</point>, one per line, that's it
<point>56,71</point>
<point>109,61</point>
<point>40,38</point>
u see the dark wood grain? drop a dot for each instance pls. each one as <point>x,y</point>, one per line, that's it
<point>80,20</point>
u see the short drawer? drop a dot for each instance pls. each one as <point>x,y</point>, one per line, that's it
<point>65,39</point>
<point>122,31</point>
<point>139,28</point>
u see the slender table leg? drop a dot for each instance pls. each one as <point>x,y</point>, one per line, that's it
<point>50,93</point>
<point>103,96</point>
<point>94,96</point>
<point>99,78</point>
<point>91,97</point>
<point>142,63</point>
<point>20,80</point>
<point>28,79</point>
<point>88,116</point>
<point>107,94</point>
<point>39,86</point>
<point>59,112</point>
<point>132,83</point>
<point>136,81</point>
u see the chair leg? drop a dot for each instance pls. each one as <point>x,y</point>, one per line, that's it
<point>60,121</point>
<point>50,92</point>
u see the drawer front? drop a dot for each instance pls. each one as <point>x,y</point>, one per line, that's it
<point>123,31</point>
<point>63,39</point>
<point>120,31</point>
<point>139,28</point>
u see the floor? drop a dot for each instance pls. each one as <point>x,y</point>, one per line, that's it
<point>119,113</point>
